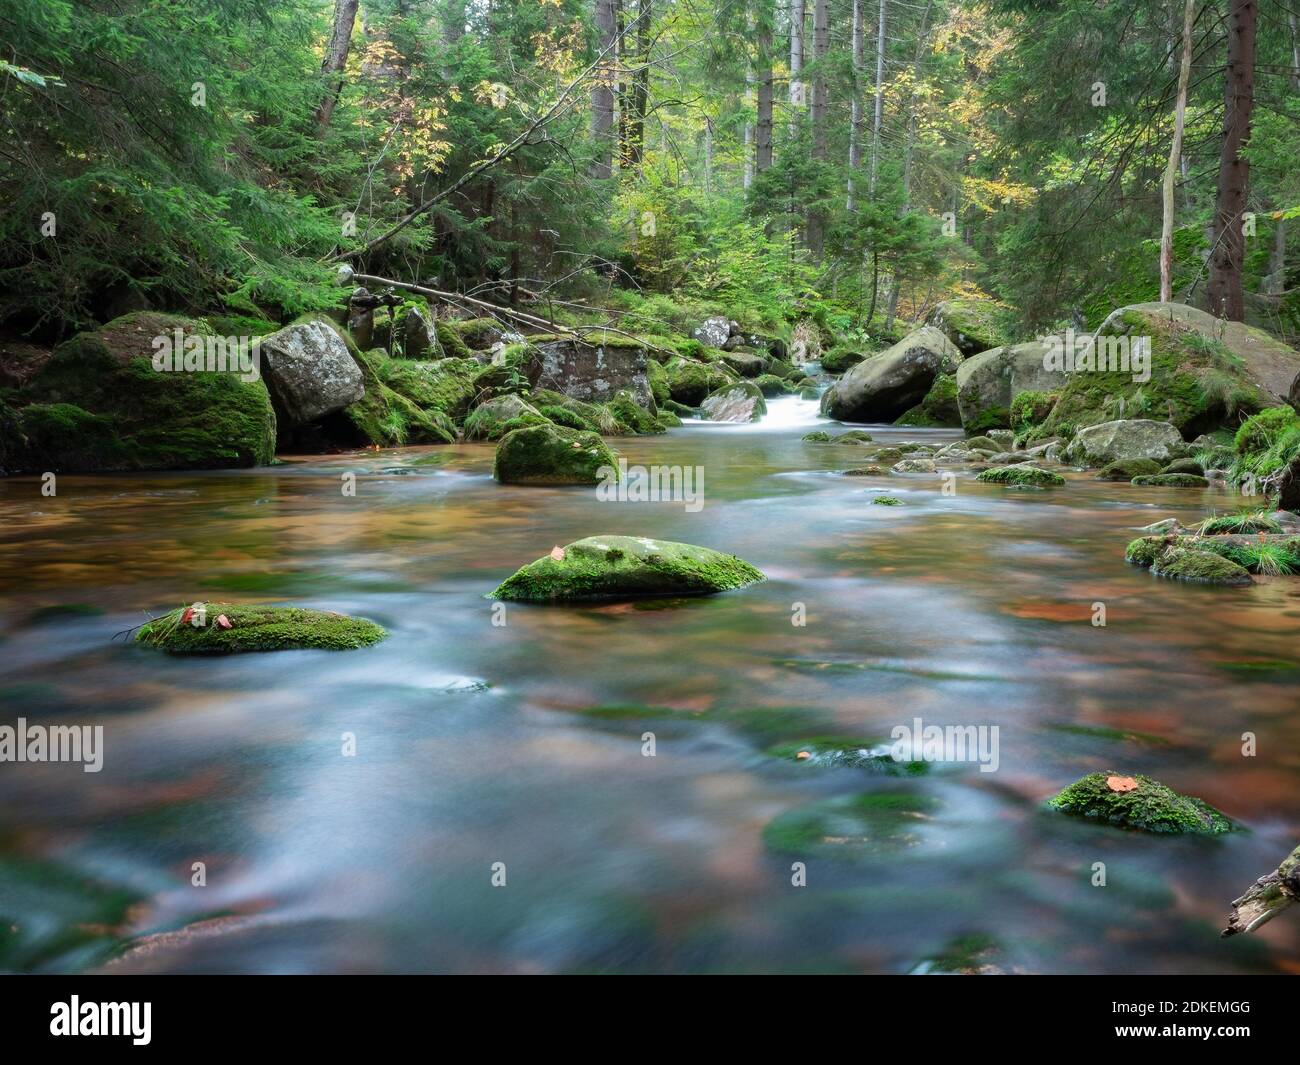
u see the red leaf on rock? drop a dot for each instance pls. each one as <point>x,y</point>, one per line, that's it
<point>224,621</point>
<point>185,617</point>
<point>1121,784</point>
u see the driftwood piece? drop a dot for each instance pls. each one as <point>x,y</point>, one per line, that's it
<point>1266,897</point>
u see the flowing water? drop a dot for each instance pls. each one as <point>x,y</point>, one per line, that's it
<point>524,744</point>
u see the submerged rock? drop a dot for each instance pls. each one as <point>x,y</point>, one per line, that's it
<point>836,752</point>
<point>1172,480</point>
<point>1201,567</point>
<point>1139,803</point>
<point>622,567</point>
<point>1127,469</point>
<point>551,454</point>
<point>865,827</point>
<point>256,628</point>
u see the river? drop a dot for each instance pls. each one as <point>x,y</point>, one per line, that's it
<point>501,812</point>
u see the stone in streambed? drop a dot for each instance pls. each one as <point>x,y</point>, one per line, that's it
<point>257,628</point>
<point>739,402</point>
<point>1127,469</point>
<point>625,567</point>
<point>1172,480</point>
<point>551,454</point>
<point>1138,803</point>
<point>1021,476</point>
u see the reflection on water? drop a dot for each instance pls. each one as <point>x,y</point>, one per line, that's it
<point>523,744</point>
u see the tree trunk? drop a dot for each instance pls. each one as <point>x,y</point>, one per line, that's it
<point>855,115</point>
<point>817,113</point>
<point>1175,154</point>
<point>880,97</point>
<point>639,96</point>
<point>1225,292</point>
<point>796,60</point>
<point>602,95</point>
<point>336,59</point>
<point>763,132</point>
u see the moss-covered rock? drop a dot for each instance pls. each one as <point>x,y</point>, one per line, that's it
<point>623,567</point>
<point>690,382</point>
<point>1251,522</point>
<point>552,454</point>
<point>1199,567</point>
<point>1172,480</point>
<point>865,471</point>
<point>982,443</point>
<point>939,407</point>
<point>738,402</point>
<point>1149,807</point>
<point>99,403</point>
<point>256,628</point>
<point>632,418</point>
<point>1264,553</point>
<point>386,417</point>
<point>974,325</point>
<point>817,436</point>
<point>492,420</point>
<point>1127,469</point>
<point>887,501</point>
<point>854,436</point>
<point>1021,476</point>
<point>841,358</point>
<point>771,385</point>
<point>1031,408</point>
<point>1184,466</point>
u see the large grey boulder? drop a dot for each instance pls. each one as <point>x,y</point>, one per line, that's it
<point>989,381</point>
<point>741,402</point>
<point>310,372</point>
<point>592,372</point>
<point>886,385</point>
<point>973,325</point>
<point>713,332</point>
<point>1122,441</point>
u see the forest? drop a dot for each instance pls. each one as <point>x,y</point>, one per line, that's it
<point>936,367</point>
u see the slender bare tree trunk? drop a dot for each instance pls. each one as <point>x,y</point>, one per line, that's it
<point>880,97</point>
<point>763,133</point>
<point>816,224</point>
<point>602,94</point>
<point>1175,153</point>
<point>855,114</point>
<point>336,60</point>
<point>796,59</point>
<point>640,96</point>
<point>1226,297</point>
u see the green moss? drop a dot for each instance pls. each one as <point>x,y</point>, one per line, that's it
<point>691,382</point>
<point>1249,522</point>
<point>1171,480</point>
<point>1266,443</point>
<point>1021,476</point>
<point>771,385</point>
<point>258,628</point>
<point>817,436</point>
<point>1150,807</point>
<point>386,417</point>
<point>1195,382</point>
<point>620,567</point>
<point>887,501</point>
<point>103,384</point>
<point>842,357</point>
<point>1200,567</point>
<point>478,334</point>
<point>657,377</point>
<point>1028,409</point>
<point>853,828</point>
<point>492,420</point>
<point>668,420</point>
<point>633,418</point>
<point>826,752</point>
<point>450,340</point>
<point>1127,469</point>
<point>982,443</point>
<point>992,418</point>
<point>853,436</point>
<point>1185,466</point>
<point>940,403</point>
<point>552,454</point>
<point>566,417</point>
<point>1145,549</point>
<point>968,955</point>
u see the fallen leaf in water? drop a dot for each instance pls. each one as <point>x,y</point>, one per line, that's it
<point>1121,784</point>
<point>224,621</point>
<point>557,553</point>
<point>802,755</point>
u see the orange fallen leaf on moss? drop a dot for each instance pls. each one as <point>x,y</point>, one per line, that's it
<point>224,621</point>
<point>1121,784</point>
<point>557,553</point>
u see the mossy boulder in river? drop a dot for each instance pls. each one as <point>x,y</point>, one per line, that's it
<point>100,403</point>
<point>496,417</point>
<point>1199,567</point>
<point>1172,480</point>
<point>1127,469</point>
<point>551,454</point>
<point>1124,440</point>
<point>739,402</point>
<point>1021,476</point>
<point>624,567</point>
<point>1138,803</point>
<point>974,325</point>
<point>225,628</point>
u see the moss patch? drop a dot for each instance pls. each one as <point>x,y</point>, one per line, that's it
<point>1200,567</point>
<point>258,628</point>
<point>852,827</point>
<point>1127,469</point>
<point>551,454</point>
<point>621,567</point>
<point>1021,476</point>
<point>1150,807</point>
